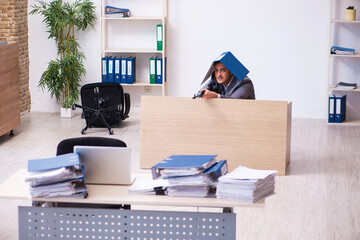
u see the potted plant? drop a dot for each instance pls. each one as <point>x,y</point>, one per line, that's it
<point>62,77</point>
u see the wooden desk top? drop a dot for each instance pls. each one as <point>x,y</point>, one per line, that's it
<point>16,188</point>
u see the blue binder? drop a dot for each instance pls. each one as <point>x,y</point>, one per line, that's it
<point>131,63</point>
<point>340,109</point>
<point>123,69</point>
<point>217,170</point>
<point>111,65</point>
<point>117,69</point>
<point>159,71</point>
<point>115,11</point>
<point>66,160</point>
<point>331,109</point>
<point>231,63</point>
<point>164,77</point>
<point>209,176</point>
<point>104,71</point>
<point>182,165</point>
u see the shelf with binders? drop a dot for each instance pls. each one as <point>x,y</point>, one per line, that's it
<point>345,70</point>
<point>137,8</point>
<point>136,36</point>
<point>141,69</point>
<point>352,115</point>
<point>131,36</point>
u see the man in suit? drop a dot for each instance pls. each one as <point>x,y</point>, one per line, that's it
<point>226,85</point>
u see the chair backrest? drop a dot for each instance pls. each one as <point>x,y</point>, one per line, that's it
<point>67,145</point>
<point>103,95</point>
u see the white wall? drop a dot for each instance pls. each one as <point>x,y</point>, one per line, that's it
<point>283,43</point>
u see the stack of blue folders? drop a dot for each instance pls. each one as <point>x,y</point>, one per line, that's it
<point>246,184</point>
<point>61,176</point>
<point>118,69</point>
<point>190,175</point>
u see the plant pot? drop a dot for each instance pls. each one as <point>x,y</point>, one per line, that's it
<point>67,112</point>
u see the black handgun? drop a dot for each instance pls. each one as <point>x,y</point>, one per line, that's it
<point>212,86</point>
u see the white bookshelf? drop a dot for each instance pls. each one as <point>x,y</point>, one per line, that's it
<point>344,68</point>
<point>136,36</point>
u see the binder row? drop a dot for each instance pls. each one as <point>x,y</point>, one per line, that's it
<point>155,70</point>
<point>337,109</point>
<point>118,69</point>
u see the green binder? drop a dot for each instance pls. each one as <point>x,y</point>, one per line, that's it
<point>152,70</point>
<point>159,37</point>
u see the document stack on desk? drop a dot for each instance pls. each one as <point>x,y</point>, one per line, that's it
<point>190,175</point>
<point>199,185</point>
<point>61,176</point>
<point>246,184</point>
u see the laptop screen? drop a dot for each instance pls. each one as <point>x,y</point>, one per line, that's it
<point>106,165</point>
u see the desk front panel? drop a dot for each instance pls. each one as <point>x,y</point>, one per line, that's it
<point>87,223</point>
<point>253,133</point>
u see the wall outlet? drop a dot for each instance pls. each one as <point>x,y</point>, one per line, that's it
<point>147,89</point>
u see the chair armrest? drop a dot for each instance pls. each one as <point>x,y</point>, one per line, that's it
<point>126,106</point>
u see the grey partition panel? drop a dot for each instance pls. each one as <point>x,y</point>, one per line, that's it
<point>112,224</point>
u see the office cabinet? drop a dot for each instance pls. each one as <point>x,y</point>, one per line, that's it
<point>9,87</point>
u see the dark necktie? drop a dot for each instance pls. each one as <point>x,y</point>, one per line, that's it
<point>223,90</point>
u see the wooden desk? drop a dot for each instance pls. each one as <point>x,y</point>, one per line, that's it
<point>76,223</point>
<point>16,188</point>
<point>252,133</point>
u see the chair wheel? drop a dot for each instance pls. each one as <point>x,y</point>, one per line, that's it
<point>111,132</point>
<point>83,131</point>
<point>73,107</point>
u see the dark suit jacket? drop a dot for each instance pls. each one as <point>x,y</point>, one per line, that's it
<point>237,89</point>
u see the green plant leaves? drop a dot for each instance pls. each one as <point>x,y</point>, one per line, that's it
<point>62,78</point>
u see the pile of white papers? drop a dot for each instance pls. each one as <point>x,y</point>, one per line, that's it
<point>246,184</point>
<point>148,186</point>
<point>61,176</point>
<point>202,190</point>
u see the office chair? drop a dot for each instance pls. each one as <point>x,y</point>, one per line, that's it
<point>104,105</point>
<point>67,145</point>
